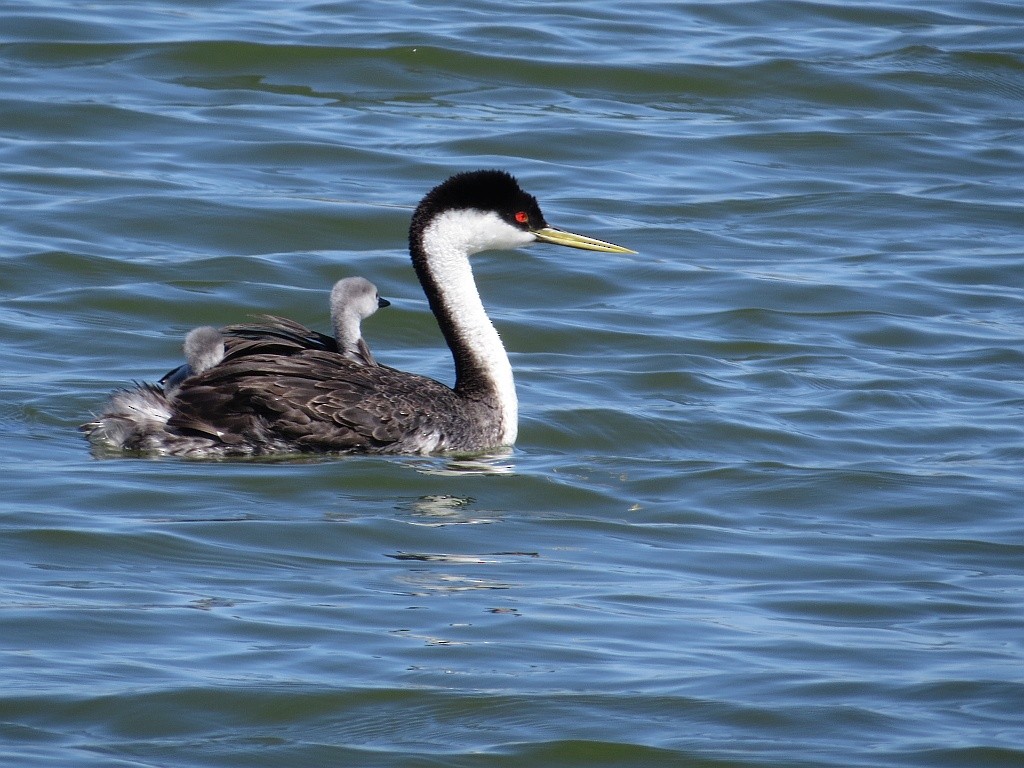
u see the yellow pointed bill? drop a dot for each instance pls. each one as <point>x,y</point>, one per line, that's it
<point>561,237</point>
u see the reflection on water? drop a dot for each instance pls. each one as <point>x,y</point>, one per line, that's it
<point>494,462</point>
<point>439,510</point>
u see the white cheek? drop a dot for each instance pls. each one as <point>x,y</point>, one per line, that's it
<point>471,231</point>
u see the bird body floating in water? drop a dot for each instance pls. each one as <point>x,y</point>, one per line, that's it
<point>289,393</point>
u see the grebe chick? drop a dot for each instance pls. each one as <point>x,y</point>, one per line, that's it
<point>204,348</point>
<point>353,299</point>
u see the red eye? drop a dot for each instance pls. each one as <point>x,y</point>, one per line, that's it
<point>523,217</point>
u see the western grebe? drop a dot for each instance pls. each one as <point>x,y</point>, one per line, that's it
<point>273,395</point>
<point>353,299</point>
<point>204,348</point>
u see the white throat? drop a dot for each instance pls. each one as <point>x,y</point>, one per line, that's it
<point>449,240</point>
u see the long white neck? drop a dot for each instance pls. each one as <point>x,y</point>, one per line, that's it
<point>482,367</point>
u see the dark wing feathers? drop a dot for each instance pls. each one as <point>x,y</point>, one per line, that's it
<point>283,386</point>
<point>312,400</point>
<point>270,327</point>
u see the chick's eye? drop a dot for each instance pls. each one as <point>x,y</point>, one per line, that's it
<point>523,217</point>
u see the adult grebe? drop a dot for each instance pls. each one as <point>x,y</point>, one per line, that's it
<point>264,399</point>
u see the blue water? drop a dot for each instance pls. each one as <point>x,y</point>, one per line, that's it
<point>766,507</point>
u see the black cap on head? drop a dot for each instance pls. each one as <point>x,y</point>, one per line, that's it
<point>487,190</point>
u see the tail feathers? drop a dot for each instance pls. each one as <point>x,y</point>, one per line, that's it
<point>134,419</point>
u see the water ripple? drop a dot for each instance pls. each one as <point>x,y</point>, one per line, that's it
<point>764,508</point>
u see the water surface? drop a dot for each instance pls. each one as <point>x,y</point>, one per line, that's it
<point>765,508</point>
